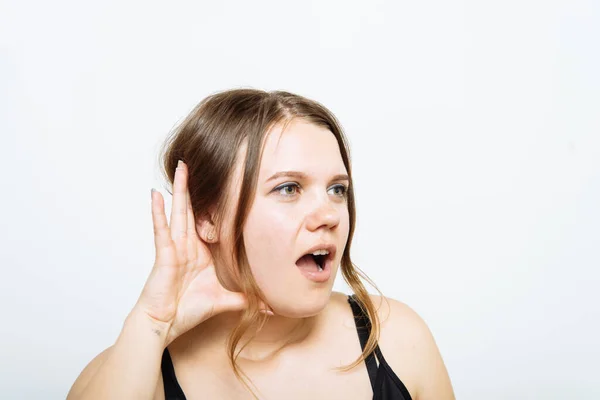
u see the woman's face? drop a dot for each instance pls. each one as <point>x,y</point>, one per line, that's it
<point>291,215</point>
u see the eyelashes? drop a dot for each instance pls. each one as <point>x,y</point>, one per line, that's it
<point>338,187</point>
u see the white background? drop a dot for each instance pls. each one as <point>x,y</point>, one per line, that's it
<point>475,135</point>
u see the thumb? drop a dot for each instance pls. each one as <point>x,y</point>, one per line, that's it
<point>234,301</point>
<point>265,309</point>
<point>237,301</point>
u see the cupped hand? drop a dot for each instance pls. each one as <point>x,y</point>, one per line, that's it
<point>183,289</point>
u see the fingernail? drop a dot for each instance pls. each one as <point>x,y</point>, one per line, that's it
<point>179,163</point>
<point>268,312</point>
<point>152,193</point>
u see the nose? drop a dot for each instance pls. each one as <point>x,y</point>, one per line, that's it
<point>323,215</point>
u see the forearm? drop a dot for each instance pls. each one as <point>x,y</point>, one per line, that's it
<point>132,368</point>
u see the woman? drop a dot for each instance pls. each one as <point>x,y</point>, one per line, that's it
<point>239,303</point>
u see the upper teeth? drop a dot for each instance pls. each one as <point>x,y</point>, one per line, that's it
<point>320,253</point>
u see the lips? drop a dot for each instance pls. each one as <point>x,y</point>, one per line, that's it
<point>309,267</point>
<point>331,248</point>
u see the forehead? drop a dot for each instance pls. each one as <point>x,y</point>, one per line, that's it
<point>302,146</point>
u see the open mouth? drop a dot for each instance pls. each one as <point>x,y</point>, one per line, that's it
<point>314,263</point>
<point>316,266</point>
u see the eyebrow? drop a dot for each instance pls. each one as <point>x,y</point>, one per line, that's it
<point>302,175</point>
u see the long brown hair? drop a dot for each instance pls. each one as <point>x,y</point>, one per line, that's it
<point>208,141</point>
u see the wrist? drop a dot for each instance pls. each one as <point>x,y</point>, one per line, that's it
<point>140,325</point>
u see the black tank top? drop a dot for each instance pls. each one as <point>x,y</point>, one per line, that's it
<point>385,383</point>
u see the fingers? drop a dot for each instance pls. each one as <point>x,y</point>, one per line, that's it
<point>266,311</point>
<point>192,235</point>
<point>237,301</point>
<point>162,239</point>
<point>191,223</point>
<point>179,206</point>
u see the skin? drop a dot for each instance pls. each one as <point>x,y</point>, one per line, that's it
<point>283,223</point>
<point>293,355</point>
<point>190,303</point>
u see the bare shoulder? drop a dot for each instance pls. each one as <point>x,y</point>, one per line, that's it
<point>410,349</point>
<point>398,320</point>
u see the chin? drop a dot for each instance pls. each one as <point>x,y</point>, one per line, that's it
<point>301,305</point>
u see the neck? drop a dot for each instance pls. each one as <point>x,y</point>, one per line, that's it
<point>276,335</point>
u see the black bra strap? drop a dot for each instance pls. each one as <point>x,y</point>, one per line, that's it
<point>172,389</point>
<point>363,327</point>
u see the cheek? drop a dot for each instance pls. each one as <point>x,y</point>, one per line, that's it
<point>270,237</point>
<point>345,223</point>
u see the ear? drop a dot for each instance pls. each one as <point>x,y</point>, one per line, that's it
<point>206,229</point>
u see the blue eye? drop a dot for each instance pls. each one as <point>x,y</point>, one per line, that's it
<point>343,188</point>
<point>288,185</point>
